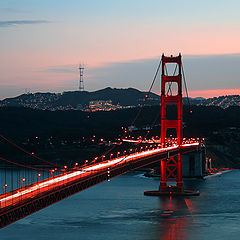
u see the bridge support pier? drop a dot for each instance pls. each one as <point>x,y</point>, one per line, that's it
<point>172,191</point>
<point>194,164</point>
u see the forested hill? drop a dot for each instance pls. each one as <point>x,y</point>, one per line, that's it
<point>25,121</point>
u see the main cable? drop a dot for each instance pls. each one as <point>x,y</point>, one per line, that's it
<point>140,110</point>
<point>24,166</point>
<point>158,114</point>
<point>185,84</point>
<point>28,153</point>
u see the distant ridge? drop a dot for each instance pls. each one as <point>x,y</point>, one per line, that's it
<point>222,101</point>
<point>119,96</point>
<point>72,99</point>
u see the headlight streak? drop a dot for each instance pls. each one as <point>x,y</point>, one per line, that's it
<point>67,176</point>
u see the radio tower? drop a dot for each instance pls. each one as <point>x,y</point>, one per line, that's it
<point>81,85</point>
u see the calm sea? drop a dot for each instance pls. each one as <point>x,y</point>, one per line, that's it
<point>118,210</point>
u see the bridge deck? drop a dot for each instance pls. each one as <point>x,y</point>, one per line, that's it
<point>24,201</point>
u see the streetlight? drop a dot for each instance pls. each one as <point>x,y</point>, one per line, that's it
<point>4,188</point>
<point>38,176</point>
<point>108,174</point>
<point>118,153</point>
<point>4,191</point>
<point>22,182</point>
<point>111,156</point>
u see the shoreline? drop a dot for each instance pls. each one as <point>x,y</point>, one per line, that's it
<point>217,173</point>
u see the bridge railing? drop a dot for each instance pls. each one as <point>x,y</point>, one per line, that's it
<point>20,195</point>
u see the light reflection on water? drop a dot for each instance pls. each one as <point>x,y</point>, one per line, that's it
<point>172,225</point>
<point>119,210</point>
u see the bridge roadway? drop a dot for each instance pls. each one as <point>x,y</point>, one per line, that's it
<point>24,201</point>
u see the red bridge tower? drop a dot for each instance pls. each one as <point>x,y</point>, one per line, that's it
<point>171,167</point>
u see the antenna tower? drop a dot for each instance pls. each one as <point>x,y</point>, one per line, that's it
<point>81,85</point>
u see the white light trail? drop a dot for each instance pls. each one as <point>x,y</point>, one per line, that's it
<point>67,176</point>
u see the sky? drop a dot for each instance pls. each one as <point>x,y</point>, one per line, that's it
<point>119,42</point>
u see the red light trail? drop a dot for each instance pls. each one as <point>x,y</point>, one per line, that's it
<point>47,185</point>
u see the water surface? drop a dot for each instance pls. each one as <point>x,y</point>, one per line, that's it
<point>118,210</point>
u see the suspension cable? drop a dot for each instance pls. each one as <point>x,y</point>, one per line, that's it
<point>28,153</point>
<point>150,89</point>
<point>24,166</point>
<point>158,114</point>
<point>186,90</point>
<point>141,107</point>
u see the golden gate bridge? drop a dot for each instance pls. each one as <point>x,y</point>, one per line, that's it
<point>63,181</point>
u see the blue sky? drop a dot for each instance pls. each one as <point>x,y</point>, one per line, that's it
<point>42,43</point>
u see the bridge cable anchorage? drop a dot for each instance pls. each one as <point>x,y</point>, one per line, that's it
<point>171,167</point>
<point>28,153</point>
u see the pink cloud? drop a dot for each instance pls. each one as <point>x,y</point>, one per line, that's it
<point>214,93</point>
